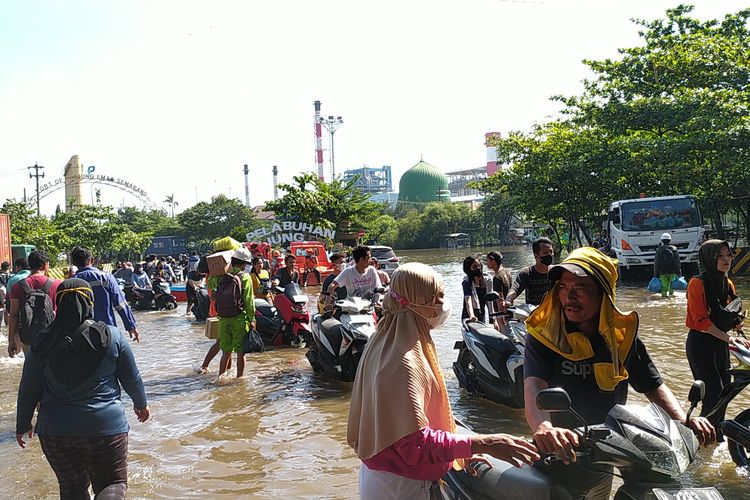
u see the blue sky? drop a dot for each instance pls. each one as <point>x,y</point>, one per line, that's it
<point>175,96</point>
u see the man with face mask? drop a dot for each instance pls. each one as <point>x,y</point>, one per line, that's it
<point>533,279</point>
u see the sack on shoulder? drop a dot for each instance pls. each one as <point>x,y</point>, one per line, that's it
<point>229,303</point>
<point>36,312</point>
<point>253,342</point>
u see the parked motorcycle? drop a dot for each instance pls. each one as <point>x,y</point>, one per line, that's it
<point>287,321</point>
<point>490,362</point>
<point>650,450</point>
<point>340,336</point>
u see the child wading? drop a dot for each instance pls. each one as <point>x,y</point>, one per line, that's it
<point>235,305</point>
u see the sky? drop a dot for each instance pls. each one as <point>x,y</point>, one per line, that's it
<point>175,96</point>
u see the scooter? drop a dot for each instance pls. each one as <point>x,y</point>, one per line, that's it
<point>287,321</point>
<point>650,450</point>
<point>163,298</point>
<point>736,430</point>
<point>339,337</point>
<point>490,362</point>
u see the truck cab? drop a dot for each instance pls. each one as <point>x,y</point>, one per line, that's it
<point>636,225</point>
<point>301,249</point>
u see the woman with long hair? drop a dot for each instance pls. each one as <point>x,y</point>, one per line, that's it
<point>400,420</point>
<point>74,372</point>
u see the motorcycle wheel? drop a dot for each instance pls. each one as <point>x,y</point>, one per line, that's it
<point>312,357</point>
<point>738,452</point>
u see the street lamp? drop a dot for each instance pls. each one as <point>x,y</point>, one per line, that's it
<point>332,124</point>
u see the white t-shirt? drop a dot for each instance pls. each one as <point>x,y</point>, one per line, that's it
<point>358,284</point>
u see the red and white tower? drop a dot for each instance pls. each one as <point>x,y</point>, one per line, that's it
<point>492,166</point>
<point>318,141</point>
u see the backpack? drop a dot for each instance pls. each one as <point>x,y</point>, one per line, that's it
<point>36,312</point>
<point>229,303</point>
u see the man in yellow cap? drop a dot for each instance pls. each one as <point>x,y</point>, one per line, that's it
<point>580,341</point>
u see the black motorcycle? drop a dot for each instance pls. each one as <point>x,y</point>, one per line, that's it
<point>650,451</point>
<point>490,362</point>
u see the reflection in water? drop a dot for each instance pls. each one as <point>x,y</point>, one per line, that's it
<point>281,431</point>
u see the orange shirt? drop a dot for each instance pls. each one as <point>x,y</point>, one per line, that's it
<point>697,309</point>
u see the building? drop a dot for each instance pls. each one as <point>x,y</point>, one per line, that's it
<point>371,180</point>
<point>458,181</point>
<point>423,183</point>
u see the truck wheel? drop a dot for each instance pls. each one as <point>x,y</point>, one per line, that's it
<point>738,452</point>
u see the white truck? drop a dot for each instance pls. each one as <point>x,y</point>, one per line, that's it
<point>635,228</point>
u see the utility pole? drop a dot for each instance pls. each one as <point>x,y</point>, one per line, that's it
<point>36,174</point>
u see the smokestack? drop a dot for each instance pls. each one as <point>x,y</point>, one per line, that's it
<point>491,152</point>
<point>318,141</point>
<point>275,182</point>
<point>247,187</point>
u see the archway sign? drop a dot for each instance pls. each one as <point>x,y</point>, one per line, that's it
<point>121,184</point>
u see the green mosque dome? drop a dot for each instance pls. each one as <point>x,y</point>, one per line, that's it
<point>423,183</point>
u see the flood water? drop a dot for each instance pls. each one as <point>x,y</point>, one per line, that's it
<point>281,431</point>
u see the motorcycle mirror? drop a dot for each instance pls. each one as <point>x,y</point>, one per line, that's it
<point>695,396</point>
<point>555,400</point>
<point>380,290</point>
<point>697,392</point>
<point>492,297</point>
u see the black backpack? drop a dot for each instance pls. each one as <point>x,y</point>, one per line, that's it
<point>36,312</point>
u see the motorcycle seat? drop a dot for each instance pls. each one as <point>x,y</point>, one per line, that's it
<point>331,328</point>
<point>264,308</point>
<point>488,335</point>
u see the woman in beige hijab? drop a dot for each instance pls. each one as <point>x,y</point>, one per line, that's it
<point>400,420</point>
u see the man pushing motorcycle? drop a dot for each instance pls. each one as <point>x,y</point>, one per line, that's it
<point>580,341</point>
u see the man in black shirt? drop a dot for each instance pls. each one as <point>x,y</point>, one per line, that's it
<point>572,337</point>
<point>533,279</point>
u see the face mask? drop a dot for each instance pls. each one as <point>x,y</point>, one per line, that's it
<point>443,314</point>
<point>546,259</point>
<point>339,266</point>
<point>475,272</point>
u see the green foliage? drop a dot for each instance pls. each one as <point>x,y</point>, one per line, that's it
<point>221,217</point>
<point>667,117</point>
<point>100,230</point>
<point>325,204</point>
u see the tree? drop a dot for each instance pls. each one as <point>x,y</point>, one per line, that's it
<point>325,204</point>
<point>158,221</point>
<point>27,228</point>
<point>169,200</point>
<point>221,217</point>
<point>99,229</point>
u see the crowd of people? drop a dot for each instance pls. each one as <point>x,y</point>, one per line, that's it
<point>400,420</point>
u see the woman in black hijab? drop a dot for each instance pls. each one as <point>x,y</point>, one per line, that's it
<point>708,340</point>
<point>74,371</point>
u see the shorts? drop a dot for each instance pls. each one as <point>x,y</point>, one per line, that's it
<point>231,333</point>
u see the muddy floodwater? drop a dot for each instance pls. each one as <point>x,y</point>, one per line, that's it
<point>281,431</point>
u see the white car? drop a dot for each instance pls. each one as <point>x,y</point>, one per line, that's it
<point>387,260</point>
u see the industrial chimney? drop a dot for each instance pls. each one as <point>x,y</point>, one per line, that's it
<point>318,141</point>
<point>275,182</point>
<point>247,187</point>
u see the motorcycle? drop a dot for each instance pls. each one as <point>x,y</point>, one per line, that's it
<point>650,450</point>
<point>287,321</point>
<point>736,430</point>
<point>490,362</point>
<point>163,298</point>
<point>340,336</point>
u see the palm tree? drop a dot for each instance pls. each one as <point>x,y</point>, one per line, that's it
<point>169,200</point>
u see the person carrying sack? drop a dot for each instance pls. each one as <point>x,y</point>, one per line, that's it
<point>235,305</point>
<point>667,264</point>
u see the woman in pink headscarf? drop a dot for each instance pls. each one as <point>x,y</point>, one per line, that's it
<point>400,421</point>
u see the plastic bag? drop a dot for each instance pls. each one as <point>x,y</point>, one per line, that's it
<point>225,243</point>
<point>654,285</point>
<point>252,342</point>
<point>679,283</point>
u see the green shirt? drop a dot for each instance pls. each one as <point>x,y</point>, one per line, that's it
<point>247,291</point>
